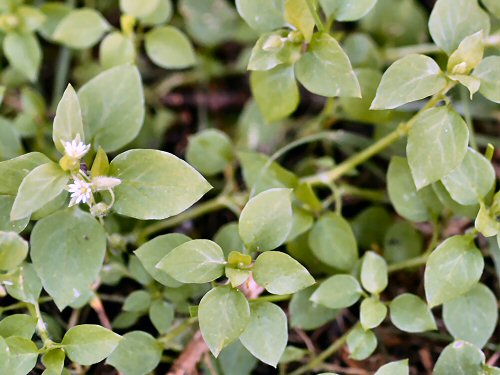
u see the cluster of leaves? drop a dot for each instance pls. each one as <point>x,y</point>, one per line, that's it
<point>286,232</point>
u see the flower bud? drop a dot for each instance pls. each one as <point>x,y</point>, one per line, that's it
<point>272,43</point>
<point>100,209</point>
<point>104,183</point>
<point>68,163</point>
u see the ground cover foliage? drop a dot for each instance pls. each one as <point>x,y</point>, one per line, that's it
<point>249,187</point>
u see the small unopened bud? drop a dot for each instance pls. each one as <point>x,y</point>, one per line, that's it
<point>104,183</point>
<point>295,36</point>
<point>68,163</point>
<point>116,241</point>
<point>460,68</point>
<point>272,43</point>
<point>100,209</point>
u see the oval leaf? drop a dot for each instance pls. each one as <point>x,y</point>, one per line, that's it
<point>169,48</point>
<point>337,292</point>
<point>411,314</point>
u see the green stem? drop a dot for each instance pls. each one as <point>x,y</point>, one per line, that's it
<point>367,194</point>
<point>172,334</point>
<point>465,99</point>
<point>402,130</point>
<point>34,310</point>
<point>410,263</point>
<point>314,13</point>
<point>273,298</point>
<point>318,360</point>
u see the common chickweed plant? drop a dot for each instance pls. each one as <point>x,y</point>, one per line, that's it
<point>339,216</point>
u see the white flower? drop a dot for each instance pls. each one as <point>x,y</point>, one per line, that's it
<point>81,191</point>
<point>104,183</point>
<point>75,149</point>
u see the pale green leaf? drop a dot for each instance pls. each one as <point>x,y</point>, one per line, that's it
<point>267,332</point>
<point>23,355</point>
<point>468,54</point>
<point>452,270</point>
<point>460,358</point>
<point>325,69</point>
<point>140,8</point>
<point>493,6</point>
<point>23,53</point>
<point>6,202</point>
<point>337,292</point>
<point>262,15</point>
<point>13,250</point>
<point>40,186</point>
<point>402,242</point>
<point>374,277</point>
<point>209,151</point>
<point>298,14</point>
<point>394,368</point>
<point>266,220</point>
<point>169,48</point>
<point>471,180</point>
<point>87,344</point>
<point>223,315</point>
<point>307,315</point>
<point>332,241</point>
<point>81,28</point>
<point>137,354</point>
<point>152,176</point>
<point>372,312</point>
<point>18,325</point>
<point>453,20</point>
<point>68,122</point>
<point>473,316</point>
<point>411,314</point>
<point>279,273</point>
<point>162,315</point>
<point>153,251</point>
<point>437,144</point>
<point>196,261</point>
<point>411,78</point>
<point>273,49</point>
<point>347,10</point>
<point>138,301</point>
<point>160,15</point>
<point>112,107</point>
<point>275,92</point>
<point>361,343</point>
<point>488,71</point>
<point>53,361</point>
<point>67,250</point>
<point>116,49</point>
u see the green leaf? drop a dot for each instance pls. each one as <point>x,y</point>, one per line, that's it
<point>23,53</point>
<point>116,49</point>
<point>40,186</point>
<point>10,139</point>
<point>6,202</point>
<point>209,151</point>
<point>407,201</point>
<point>363,53</point>
<point>410,314</point>
<point>266,220</point>
<point>259,179</point>
<point>275,92</point>
<point>374,277</point>
<point>13,250</point>
<point>488,71</point>
<point>138,9</point>
<point>160,15</point>
<point>460,357</point>
<point>68,122</point>
<point>196,261</point>
<point>23,355</point>
<point>297,14</point>
<point>112,107</point>
<point>437,144</point>
<point>411,78</point>
<point>67,250</point>
<point>53,361</point>
<point>307,315</point>
<point>169,48</point>
<point>452,270</point>
<point>326,70</point>
<point>453,20</point>
<point>394,368</point>
<point>347,10</point>
<point>14,170</point>
<point>273,49</point>
<point>262,15</point>
<point>493,7</point>
<point>236,276</point>
<point>138,301</point>
<point>473,316</point>
<point>332,241</point>
<point>153,251</point>
<point>87,344</point>
<point>54,13</point>
<point>337,292</point>
<point>162,315</point>
<point>223,314</point>
<point>368,234</point>
<point>228,238</point>
<point>236,359</point>
<point>372,312</point>
<point>266,334</point>
<point>402,242</point>
<point>81,28</point>
<point>361,343</point>
<point>468,54</point>
<point>152,176</point>
<point>137,354</point>
<point>280,274</point>
<point>31,18</point>
<point>26,285</point>
<point>485,222</point>
<point>17,325</point>
<point>471,180</point>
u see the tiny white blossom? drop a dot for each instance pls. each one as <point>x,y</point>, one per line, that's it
<point>81,191</point>
<point>75,149</point>
<point>104,183</point>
